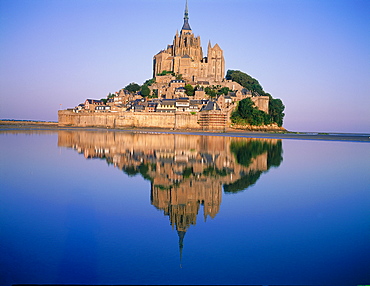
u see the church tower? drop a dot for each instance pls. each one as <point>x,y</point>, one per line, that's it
<point>185,57</point>
<point>186,44</point>
<point>216,62</point>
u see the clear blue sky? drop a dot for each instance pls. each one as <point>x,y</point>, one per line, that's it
<point>312,54</point>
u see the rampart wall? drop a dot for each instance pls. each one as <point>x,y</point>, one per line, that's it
<point>261,102</point>
<point>128,119</point>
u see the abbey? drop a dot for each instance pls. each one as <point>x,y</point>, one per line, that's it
<point>185,57</point>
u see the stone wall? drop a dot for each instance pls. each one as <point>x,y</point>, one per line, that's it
<point>261,102</point>
<point>128,119</point>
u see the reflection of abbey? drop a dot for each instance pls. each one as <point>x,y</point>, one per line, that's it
<point>168,102</point>
<point>186,172</point>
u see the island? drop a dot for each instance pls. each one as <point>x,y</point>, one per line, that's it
<point>188,90</point>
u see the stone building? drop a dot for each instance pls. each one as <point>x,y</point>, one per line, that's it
<point>91,104</point>
<point>185,57</point>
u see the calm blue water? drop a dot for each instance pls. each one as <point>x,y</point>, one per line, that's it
<point>124,208</point>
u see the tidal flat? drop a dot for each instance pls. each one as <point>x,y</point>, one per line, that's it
<point>329,136</point>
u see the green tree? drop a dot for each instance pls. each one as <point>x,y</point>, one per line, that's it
<point>224,90</point>
<point>189,90</point>
<point>166,73</point>
<point>211,92</point>
<point>149,82</point>
<point>245,80</point>
<point>245,108</point>
<point>133,87</point>
<point>276,111</point>
<point>155,93</point>
<point>248,113</point>
<point>145,91</point>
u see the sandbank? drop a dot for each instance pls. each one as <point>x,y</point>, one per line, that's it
<point>28,125</point>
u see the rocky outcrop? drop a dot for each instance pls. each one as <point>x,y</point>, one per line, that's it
<point>270,127</point>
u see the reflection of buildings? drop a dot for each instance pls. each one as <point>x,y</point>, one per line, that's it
<point>186,171</point>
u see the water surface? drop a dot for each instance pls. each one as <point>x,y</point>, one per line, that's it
<point>123,208</point>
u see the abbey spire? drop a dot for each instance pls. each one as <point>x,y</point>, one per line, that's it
<point>185,57</point>
<point>186,25</point>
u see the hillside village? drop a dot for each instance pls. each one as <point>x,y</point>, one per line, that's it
<point>172,97</point>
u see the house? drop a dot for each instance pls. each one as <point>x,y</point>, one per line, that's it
<point>224,101</point>
<point>102,108</point>
<point>211,105</point>
<point>167,105</point>
<point>195,105</point>
<point>182,104</point>
<point>90,104</point>
<point>199,93</point>
<point>79,108</point>
<point>151,106</point>
<point>138,107</point>
<point>180,91</point>
<point>118,107</point>
<point>177,83</point>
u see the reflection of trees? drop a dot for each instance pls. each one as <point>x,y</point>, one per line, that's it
<point>245,152</point>
<point>187,172</point>
<point>142,169</point>
<point>275,154</point>
<point>243,183</point>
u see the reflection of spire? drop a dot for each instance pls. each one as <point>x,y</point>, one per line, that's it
<point>181,244</point>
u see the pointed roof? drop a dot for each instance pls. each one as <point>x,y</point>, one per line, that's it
<point>217,47</point>
<point>186,25</point>
<point>211,105</point>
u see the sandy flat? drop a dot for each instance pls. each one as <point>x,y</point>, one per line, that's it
<point>53,126</point>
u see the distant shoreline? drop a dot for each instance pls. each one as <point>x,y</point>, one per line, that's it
<point>27,122</point>
<point>30,125</point>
